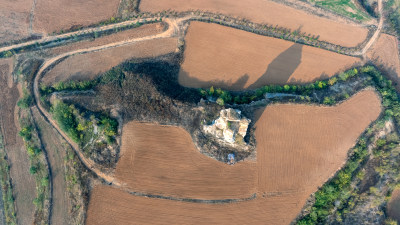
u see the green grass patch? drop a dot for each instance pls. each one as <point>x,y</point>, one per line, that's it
<point>345,8</point>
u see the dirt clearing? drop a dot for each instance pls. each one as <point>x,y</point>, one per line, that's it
<point>299,148</point>
<point>142,31</point>
<point>163,160</point>
<point>60,15</point>
<point>272,13</point>
<point>23,184</point>
<point>88,66</point>
<point>236,60</point>
<point>393,208</point>
<point>385,54</point>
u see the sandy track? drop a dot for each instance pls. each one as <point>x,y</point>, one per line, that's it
<point>23,184</point>
<point>142,31</point>
<point>235,59</point>
<point>56,15</point>
<point>70,34</point>
<point>163,160</point>
<point>297,151</point>
<point>264,11</point>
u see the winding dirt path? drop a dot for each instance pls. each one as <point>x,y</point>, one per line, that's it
<point>172,30</point>
<point>376,34</point>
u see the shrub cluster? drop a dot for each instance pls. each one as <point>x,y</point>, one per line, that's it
<point>229,97</point>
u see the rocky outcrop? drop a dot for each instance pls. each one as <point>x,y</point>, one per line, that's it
<point>230,126</point>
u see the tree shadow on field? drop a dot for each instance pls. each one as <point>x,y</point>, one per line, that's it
<point>278,72</point>
<point>281,68</point>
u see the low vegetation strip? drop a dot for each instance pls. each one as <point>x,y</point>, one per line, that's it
<point>249,61</point>
<point>271,13</point>
<point>6,187</point>
<point>39,167</point>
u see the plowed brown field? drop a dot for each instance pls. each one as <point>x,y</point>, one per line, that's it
<point>163,160</point>
<point>264,11</point>
<point>88,66</point>
<point>385,54</point>
<point>298,148</point>
<point>142,31</point>
<point>235,59</point>
<point>57,15</point>
<point>393,208</point>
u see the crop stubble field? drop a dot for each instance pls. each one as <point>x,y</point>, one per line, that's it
<point>264,11</point>
<point>163,160</point>
<point>57,15</point>
<point>88,66</point>
<point>287,172</point>
<point>235,59</point>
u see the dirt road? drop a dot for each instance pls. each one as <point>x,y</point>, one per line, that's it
<point>172,30</point>
<point>376,34</point>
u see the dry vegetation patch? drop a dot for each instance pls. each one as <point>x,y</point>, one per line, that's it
<point>56,15</point>
<point>299,148</point>
<point>269,12</point>
<point>163,160</point>
<point>88,66</point>
<point>235,59</point>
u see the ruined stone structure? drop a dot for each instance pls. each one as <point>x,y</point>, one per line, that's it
<point>230,126</point>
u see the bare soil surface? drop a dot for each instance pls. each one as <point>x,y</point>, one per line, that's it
<point>393,208</point>
<point>57,15</point>
<point>142,31</point>
<point>56,155</point>
<point>163,160</point>
<point>88,66</point>
<point>287,174</point>
<point>294,142</point>
<point>262,11</point>
<point>23,184</point>
<point>113,206</point>
<point>14,19</point>
<point>236,60</point>
<point>385,54</point>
